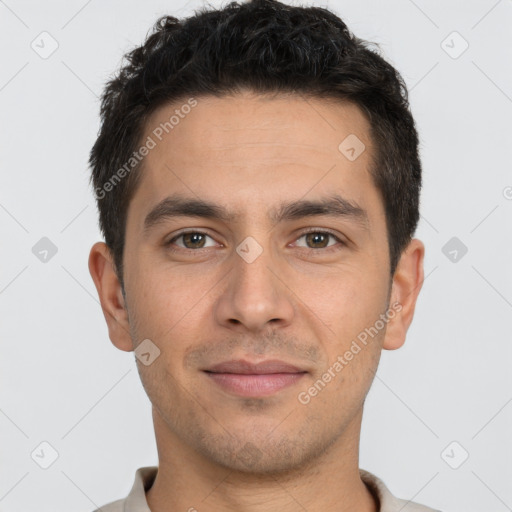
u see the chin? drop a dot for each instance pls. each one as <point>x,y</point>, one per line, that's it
<point>257,455</point>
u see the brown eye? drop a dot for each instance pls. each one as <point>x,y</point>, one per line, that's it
<point>191,240</point>
<point>196,240</point>
<point>318,240</point>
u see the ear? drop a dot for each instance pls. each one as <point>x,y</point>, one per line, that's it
<point>107,284</point>
<point>407,283</point>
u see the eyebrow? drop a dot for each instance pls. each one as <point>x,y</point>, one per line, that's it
<point>331,206</point>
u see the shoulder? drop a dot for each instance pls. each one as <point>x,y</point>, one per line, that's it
<point>136,499</point>
<point>114,506</point>
<point>388,502</point>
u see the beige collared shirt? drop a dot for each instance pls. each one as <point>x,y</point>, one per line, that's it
<point>144,477</point>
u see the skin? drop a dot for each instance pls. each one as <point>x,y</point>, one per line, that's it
<point>302,300</point>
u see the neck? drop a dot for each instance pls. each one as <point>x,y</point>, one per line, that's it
<point>188,481</point>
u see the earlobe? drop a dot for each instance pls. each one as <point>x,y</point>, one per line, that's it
<point>101,268</point>
<point>406,286</point>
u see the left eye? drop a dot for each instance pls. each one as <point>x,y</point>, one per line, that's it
<point>319,239</point>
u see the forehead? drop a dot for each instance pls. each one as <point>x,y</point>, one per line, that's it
<point>252,151</point>
<point>254,121</point>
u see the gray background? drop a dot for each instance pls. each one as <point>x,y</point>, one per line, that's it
<point>63,382</point>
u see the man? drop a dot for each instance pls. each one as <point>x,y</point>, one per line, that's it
<point>258,179</point>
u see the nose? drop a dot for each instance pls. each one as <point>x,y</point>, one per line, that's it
<point>255,296</point>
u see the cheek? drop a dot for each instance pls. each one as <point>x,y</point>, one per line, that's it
<point>346,301</point>
<point>352,308</point>
<point>163,298</point>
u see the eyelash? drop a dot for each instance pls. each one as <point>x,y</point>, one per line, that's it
<point>328,249</point>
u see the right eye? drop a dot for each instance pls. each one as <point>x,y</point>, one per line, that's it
<point>191,240</point>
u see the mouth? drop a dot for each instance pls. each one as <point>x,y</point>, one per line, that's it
<point>247,379</point>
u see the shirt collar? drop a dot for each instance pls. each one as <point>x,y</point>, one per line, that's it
<point>145,476</point>
<point>136,500</point>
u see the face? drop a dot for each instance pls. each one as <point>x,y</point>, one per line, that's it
<point>256,260</point>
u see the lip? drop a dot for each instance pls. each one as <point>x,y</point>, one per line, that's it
<point>241,366</point>
<point>261,379</point>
